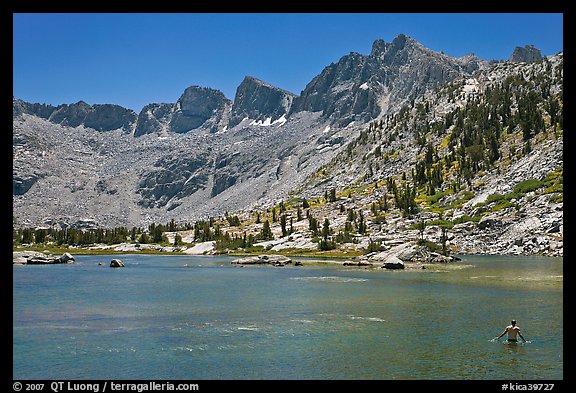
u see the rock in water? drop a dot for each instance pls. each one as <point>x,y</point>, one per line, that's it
<point>393,262</point>
<point>276,260</point>
<point>38,258</point>
<point>66,258</point>
<point>116,263</point>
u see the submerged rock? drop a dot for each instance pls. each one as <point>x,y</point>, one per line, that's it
<point>358,263</point>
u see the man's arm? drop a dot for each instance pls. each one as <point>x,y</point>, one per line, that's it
<point>503,333</point>
<point>520,334</point>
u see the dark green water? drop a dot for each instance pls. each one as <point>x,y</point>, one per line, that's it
<point>159,319</point>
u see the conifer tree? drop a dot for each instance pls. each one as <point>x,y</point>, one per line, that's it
<point>283,221</point>
<point>266,233</point>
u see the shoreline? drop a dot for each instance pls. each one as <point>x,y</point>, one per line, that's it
<point>48,249</point>
<point>321,255</point>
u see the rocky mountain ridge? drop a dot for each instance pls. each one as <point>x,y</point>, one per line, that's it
<point>205,155</point>
<point>364,87</point>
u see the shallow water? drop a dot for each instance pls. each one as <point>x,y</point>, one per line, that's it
<point>160,319</point>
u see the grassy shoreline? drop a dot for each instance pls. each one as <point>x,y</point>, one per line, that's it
<point>294,253</point>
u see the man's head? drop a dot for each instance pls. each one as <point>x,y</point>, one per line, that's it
<point>513,322</point>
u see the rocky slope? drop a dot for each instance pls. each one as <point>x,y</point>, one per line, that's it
<point>462,154</point>
<point>403,114</point>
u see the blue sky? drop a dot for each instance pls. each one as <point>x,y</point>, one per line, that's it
<point>136,59</point>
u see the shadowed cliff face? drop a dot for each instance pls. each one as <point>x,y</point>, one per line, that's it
<point>197,107</point>
<point>174,177</point>
<point>257,100</point>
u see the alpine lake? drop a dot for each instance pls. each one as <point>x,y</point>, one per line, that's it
<point>203,318</point>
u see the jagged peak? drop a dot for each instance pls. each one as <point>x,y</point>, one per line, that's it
<point>198,88</point>
<point>380,47</point>
<point>248,79</point>
<point>528,53</point>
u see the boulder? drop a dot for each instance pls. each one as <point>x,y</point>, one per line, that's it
<point>65,258</point>
<point>393,262</point>
<point>38,258</point>
<point>439,258</point>
<point>275,260</point>
<point>22,257</point>
<point>116,263</point>
<point>19,260</point>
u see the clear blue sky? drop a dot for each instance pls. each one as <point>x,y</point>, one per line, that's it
<point>136,59</point>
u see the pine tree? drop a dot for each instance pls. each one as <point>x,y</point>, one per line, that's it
<point>332,196</point>
<point>324,244</point>
<point>313,225</point>
<point>444,239</point>
<point>27,236</point>
<point>326,229</point>
<point>283,225</point>
<point>421,226</point>
<point>157,235</point>
<point>361,223</point>
<point>40,235</point>
<point>266,233</point>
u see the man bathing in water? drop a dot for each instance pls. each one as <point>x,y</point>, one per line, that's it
<point>512,331</point>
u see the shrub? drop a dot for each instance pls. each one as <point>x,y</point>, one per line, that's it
<point>430,245</point>
<point>432,199</point>
<point>503,205</point>
<point>494,198</point>
<point>441,223</point>
<point>528,186</point>
<point>466,218</point>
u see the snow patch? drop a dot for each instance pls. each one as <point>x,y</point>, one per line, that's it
<point>364,86</point>
<point>280,121</point>
<point>326,130</point>
<point>261,123</point>
<point>268,122</point>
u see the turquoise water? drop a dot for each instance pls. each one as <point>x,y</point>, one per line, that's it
<point>184,317</point>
